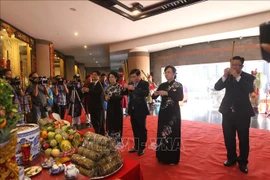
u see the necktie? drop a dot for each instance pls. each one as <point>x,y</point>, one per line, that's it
<point>135,85</point>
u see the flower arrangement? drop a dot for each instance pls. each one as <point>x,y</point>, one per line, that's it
<point>255,95</point>
<point>9,115</point>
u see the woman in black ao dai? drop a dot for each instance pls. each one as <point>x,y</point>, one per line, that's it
<point>114,121</point>
<point>169,119</point>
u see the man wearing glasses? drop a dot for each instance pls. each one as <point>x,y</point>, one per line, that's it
<point>236,111</point>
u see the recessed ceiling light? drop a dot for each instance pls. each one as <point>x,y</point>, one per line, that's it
<point>76,34</point>
<point>93,58</point>
<point>85,47</point>
<point>90,54</point>
<point>72,9</point>
<point>96,61</point>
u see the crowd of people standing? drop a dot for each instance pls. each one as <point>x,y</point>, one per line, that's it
<point>106,98</point>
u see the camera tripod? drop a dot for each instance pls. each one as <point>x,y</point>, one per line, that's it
<point>74,94</point>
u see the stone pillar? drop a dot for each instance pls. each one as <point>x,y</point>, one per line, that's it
<point>70,67</point>
<point>76,69</point>
<point>62,68</point>
<point>139,58</point>
<point>43,57</point>
<point>82,72</point>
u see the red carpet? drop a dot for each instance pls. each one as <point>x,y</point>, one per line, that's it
<point>202,154</point>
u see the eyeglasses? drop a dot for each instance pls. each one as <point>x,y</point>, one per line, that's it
<point>236,65</point>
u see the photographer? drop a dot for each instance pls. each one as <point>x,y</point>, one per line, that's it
<point>16,89</point>
<point>60,92</point>
<point>75,92</point>
<point>38,90</point>
<point>24,102</point>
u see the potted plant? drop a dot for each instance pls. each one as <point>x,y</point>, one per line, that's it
<point>9,117</point>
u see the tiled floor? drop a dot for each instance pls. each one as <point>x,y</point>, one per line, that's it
<point>203,112</point>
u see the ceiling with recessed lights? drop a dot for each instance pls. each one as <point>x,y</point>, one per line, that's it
<point>98,28</point>
<point>137,11</point>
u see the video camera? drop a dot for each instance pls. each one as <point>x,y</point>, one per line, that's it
<point>73,84</point>
<point>77,78</point>
<point>15,81</point>
<point>41,80</point>
<point>60,81</point>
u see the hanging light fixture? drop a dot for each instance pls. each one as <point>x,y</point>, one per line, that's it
<point>136,9</point>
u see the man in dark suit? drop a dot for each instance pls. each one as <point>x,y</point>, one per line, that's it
<point>236,111</point>
<point>96,99</point>
<point>138,90</point>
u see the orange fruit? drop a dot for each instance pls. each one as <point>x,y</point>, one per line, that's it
<point>40,139</point>
<point>44,134</point>
<point>3,124</point>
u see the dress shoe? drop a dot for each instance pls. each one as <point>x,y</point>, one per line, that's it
<point>171,164</point>
<point>133,150</point>
<point>140,152</point>
<point>229,163</point>
<point>243,168</point>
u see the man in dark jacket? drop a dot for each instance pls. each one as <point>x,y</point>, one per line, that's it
<point>138,90</point>
<point>236,111</point>
<point>96,100</point>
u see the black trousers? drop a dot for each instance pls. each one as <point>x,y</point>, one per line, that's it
<point>139,131</point>
<point>60,109</point>
<point>97,119</point>
<point>232,123</point>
